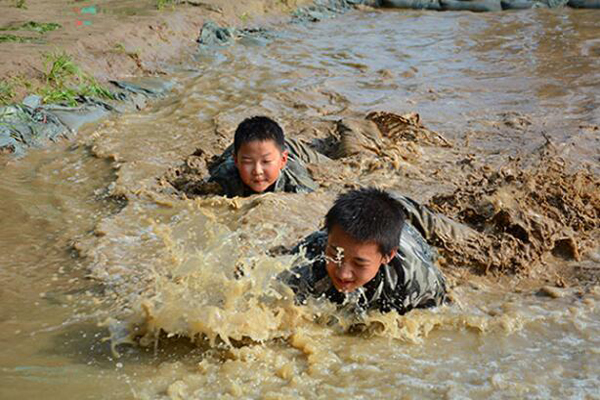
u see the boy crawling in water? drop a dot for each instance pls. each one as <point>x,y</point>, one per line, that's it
<point>370,254</point>
<point>262,160</point>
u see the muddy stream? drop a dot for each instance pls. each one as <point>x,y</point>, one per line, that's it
<point>99,246</point>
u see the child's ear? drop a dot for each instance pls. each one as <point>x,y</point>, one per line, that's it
<point>284,158</point>
<point>389,257</point>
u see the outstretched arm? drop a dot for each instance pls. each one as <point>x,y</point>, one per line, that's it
<point>433,226</point>
<point>305,153</point>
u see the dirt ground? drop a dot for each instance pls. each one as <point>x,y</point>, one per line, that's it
<point>114,39</point>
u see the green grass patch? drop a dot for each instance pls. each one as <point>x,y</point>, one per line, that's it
<point>39,27</point>
<point>65,81</point>
<point>6,38</point>
<point>119,48</point>
<point>7,92</point>
<point>59,68</point>
<point>21,81</point>
<point>31,26</point>
<point>20,4</point>
<point>162,4</point>
<point>244,17</point>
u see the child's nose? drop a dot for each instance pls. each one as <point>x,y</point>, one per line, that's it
<point>344,271</point>
<point>258,170</point>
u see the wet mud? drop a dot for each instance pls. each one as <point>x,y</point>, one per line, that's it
<point>526,211</point>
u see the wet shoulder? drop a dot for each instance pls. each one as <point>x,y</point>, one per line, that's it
<point>295,178</point>
<point>412,275</point>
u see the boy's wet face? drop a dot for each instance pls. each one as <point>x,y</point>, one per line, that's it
<point>350,263</point>
<point>259,163</point>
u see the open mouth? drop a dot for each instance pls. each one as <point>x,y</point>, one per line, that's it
<point>344,286</point>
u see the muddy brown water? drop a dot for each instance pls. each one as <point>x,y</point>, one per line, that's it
<point>92,240</point>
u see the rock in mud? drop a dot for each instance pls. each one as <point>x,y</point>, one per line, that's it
<point>22,126</point>
<point>413,4</point>
<point>213,35</point>
<point>553,292</point>
<point>148,86</point>
<point>324,9</point>
<point>471,5</point>
<point>527,4</point>
<point>584,3</point>
<point>485,5</point>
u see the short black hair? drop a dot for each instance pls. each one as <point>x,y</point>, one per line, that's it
<point>258,128</point>
<point>368,215</point>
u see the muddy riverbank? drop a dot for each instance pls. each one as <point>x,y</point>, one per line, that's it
<point>118,39</point>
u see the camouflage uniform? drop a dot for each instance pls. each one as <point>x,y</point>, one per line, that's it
<point>294,177</point>
<point>410,280</point>
<point>436,228</point>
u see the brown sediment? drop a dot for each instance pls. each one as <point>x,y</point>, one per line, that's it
<point>189,178</point>
<point>169,268</point>
<point>526,212</point>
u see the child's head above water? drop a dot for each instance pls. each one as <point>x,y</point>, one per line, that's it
<point>363,229</point>
<point>259,152</point>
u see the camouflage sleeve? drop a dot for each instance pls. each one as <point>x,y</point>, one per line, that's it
<point>434,227</point>
<point>296,178</point>
<point>417,282</point>
<point>304,153</point>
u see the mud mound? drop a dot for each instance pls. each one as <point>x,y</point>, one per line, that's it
<point>384,139</point>
<point>190,178</point>
<point>406,127</point>
<point>524,214</point>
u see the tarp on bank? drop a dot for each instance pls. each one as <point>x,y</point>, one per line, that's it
<point>31,123</point>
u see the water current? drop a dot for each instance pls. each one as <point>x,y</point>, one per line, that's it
<point>95,246</point>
